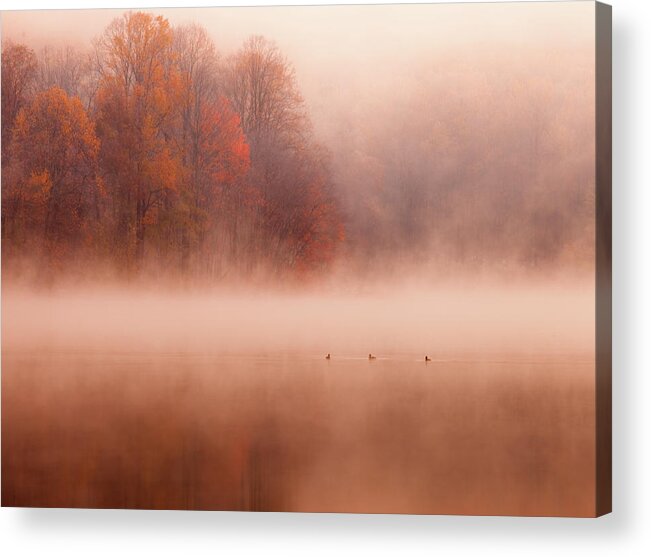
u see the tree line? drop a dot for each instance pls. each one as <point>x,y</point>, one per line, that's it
<point>154,153</point>
<point>481,162</point>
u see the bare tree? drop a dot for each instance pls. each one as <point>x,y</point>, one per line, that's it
<point>261,84</point>
<point>18,72</point>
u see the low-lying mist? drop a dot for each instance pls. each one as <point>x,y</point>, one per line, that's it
<point>462,318</point>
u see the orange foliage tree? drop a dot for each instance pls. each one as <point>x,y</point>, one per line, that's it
<point>53,182</point>
<point>136,102</point>
<point>213,149</point>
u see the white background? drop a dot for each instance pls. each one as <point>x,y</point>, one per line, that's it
<point>627,531</point>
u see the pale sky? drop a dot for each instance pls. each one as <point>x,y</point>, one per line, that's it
<point>324,32</point>
<point>344,52</point>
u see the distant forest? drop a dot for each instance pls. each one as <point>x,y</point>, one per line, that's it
<point>154,153</point>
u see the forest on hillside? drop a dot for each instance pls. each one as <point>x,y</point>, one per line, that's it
<point>153,153</point>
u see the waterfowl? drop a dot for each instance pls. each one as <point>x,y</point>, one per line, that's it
<point>428,359</point>
<point>371,357</point>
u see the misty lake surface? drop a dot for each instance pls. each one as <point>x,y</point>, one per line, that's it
<point>292,431</point>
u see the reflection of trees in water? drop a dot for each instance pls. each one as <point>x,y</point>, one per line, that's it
<point>263,486</point>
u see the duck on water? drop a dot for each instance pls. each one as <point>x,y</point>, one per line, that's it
<point>371,357</point>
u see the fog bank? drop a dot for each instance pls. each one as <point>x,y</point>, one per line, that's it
<point>446,322</point>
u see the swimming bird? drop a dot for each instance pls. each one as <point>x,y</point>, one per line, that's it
<point>371,357</point>
<point>428,359</point>
<point>328,356</point>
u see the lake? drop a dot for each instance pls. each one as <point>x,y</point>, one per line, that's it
<point>292,431</point>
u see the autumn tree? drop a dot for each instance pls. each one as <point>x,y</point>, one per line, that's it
<point>211,143</point>
<point>53,182</point>
<point>136,104</point>
<point>300,217</point>
<point>18,72</point>
<point>302,222</point>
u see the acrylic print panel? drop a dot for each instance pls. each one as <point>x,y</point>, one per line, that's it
<point>316,259</point>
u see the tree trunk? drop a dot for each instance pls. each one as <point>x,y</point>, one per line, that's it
<point>140,230</point>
